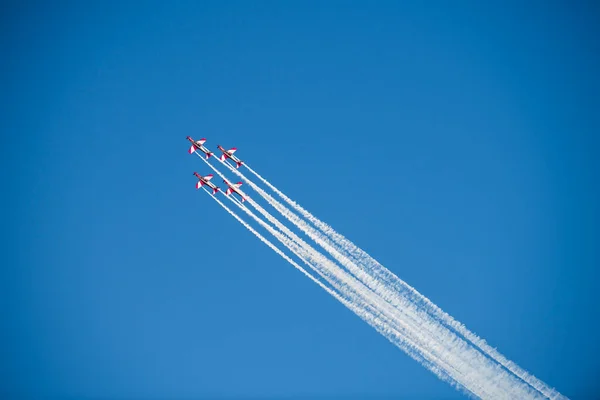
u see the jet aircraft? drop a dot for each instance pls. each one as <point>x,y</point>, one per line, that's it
<point>229,154</point>
<point>235,188</point>
<point>199,145</point>
<point>205,180</point>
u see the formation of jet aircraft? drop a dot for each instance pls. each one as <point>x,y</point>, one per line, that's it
<point>198,145</point>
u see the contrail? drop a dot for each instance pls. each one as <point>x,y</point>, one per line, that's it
<point>370,317</point>
<point>424,335</point>
<point>320,259</point>
<point>425,331</point>
<point>407,332</point>
<point>408,337</point>
<point>375,269</point>
<point>466,366</point>
<point>378,286</point>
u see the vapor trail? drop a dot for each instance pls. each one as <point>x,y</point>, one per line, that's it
<point>410,336</point>
<point>439,345</point>
<point>375,269</point>
<point>368,316</point>
<point>330,274</point>
<point>445,348</point>
<point>497,377</point>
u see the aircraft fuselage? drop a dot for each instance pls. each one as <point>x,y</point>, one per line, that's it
<point>202,148</point>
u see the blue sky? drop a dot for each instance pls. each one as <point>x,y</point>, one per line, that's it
<point>456,143</point>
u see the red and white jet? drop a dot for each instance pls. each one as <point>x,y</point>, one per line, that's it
<point>229,154</point>
<point>205,180</point>
<point>198,145</point>
<point>234,187</point>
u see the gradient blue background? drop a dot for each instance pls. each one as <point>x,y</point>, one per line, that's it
<point>456,142</point>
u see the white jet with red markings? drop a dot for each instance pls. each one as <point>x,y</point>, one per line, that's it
<point>199,145</point>
<point>205,180</point>
<point>229,154</point>
<point>234,188</point>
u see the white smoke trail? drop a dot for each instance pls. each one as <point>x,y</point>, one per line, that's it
<point>355,292</point>
<point>492,374</point>
<point>424,330</point>
<point>444,345</point>
<point>370,317</point>
<point>375,269</point>
<point>476,370</point>
<point>321,260</point>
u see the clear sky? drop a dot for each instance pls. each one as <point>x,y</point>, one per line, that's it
<point>456,142</point>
